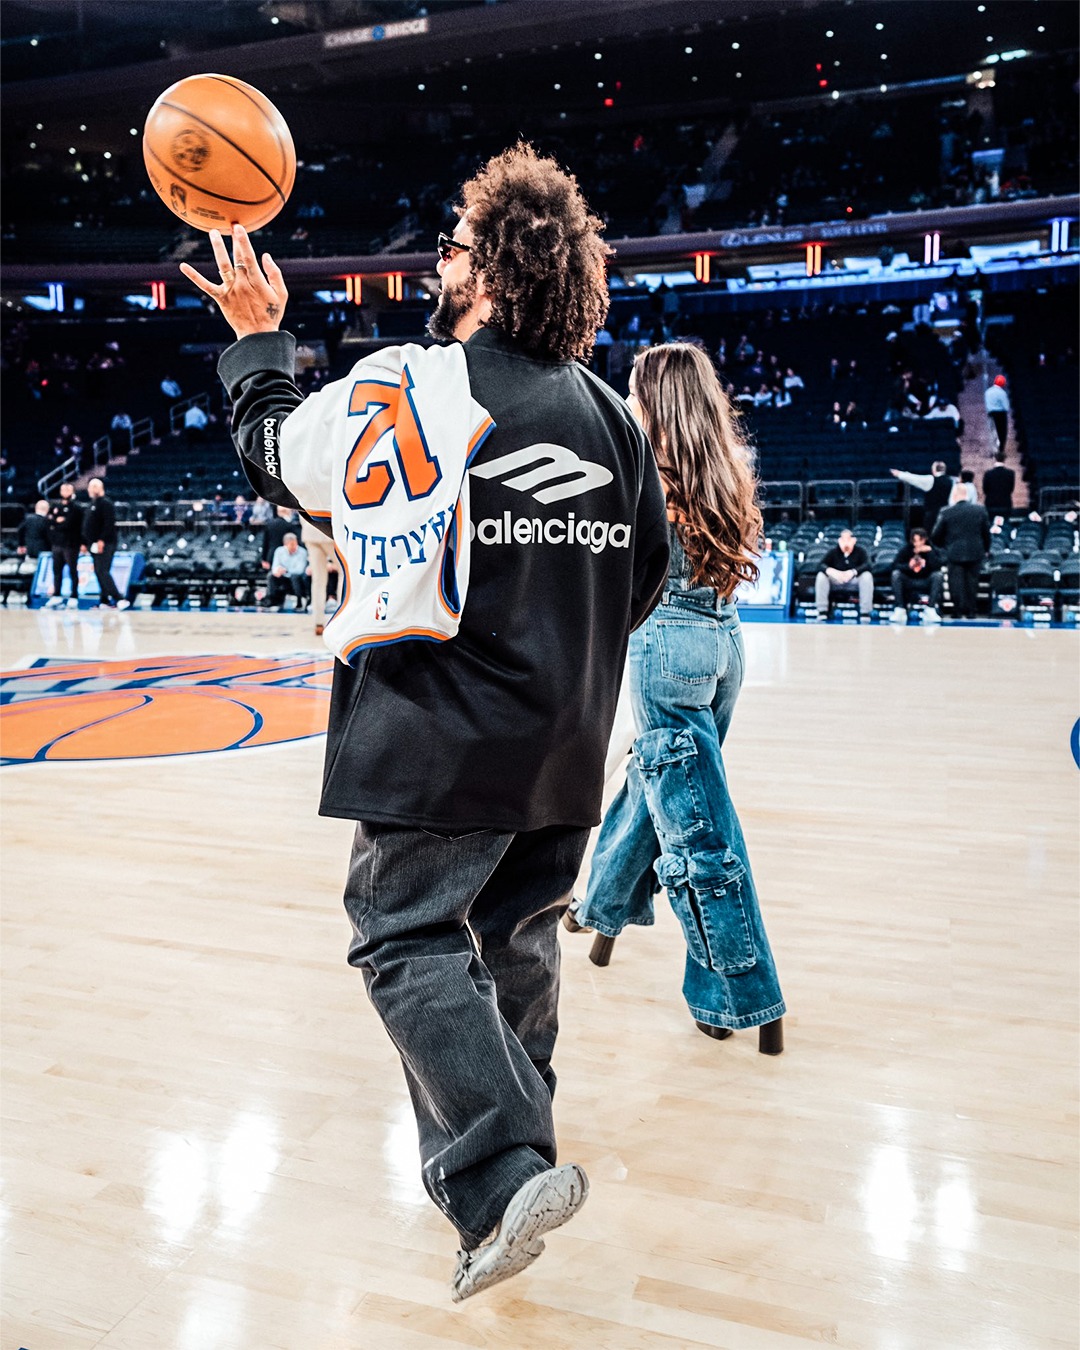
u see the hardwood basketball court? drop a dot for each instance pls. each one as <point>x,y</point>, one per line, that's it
<point>208,1143</point>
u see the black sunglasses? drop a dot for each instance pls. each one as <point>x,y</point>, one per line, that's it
<point>448,244</point>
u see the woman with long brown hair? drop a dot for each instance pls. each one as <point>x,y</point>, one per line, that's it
<point>673,823</point>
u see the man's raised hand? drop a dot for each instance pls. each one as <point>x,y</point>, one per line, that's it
<point>251,301</point>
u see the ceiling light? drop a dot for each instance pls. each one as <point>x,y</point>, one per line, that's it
<point>836,93</point>
<point>33,144</point>
<point>828,32</point>
<point>884,56</point>
<point>879,26</point>
<point>884,88</point>
<point>599,84</point>
<point>688,50</point>
<point>738,75</point>
<point>39,127</point>
<point>421,87</point>
<point>82,126</point>
<point>71,149</point>
<point>134,131</point>
<point>598,56</point>
<point>33,42</point>
<point>557,86</point>
<point>693,79</point>
<point>734,46</point>
<point>107,155</point>
<point>1041,28</point>
<point>275,19</point>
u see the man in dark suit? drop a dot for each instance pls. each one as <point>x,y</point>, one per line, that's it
<point>998,484</point>
<point>34,534</point>
<point>963,531</point>
<point>99,536</point>
<point>65,530</point>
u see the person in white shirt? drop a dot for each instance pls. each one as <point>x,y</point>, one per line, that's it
<point>289,570</point>
<point>998,409</point>
<point>793,380</point>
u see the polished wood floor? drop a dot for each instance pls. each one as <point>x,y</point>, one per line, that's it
<point>207,1141</point>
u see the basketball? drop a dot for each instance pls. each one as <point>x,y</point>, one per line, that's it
<point>219,153</point>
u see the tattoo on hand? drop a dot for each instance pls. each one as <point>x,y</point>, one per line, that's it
<point>272,311</point>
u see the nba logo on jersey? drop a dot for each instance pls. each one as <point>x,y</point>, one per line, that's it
<point>382,606</point>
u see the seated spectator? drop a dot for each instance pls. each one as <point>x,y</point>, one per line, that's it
<point>170,388</point>
<point>852,416</point>
<point>792,380</point>
<point>963,531</point>
<point>998,485</point>
<point>261,512</point>
<point>916,576</point>
<point>238,512</point>
<point>121,422</point>
<point>763,397</point>
<point>746,398</point>
<point>944,408</point>
<point>745,350</point>
<point>34,534</point>
<point>781,397</point>
<point>195,423</point>
<point>289,570</point>
<point>844,571</point>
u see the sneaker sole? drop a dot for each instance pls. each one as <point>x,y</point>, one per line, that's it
<point>540,1206</point>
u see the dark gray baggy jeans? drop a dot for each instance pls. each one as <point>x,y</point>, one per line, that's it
<point>456,937</point>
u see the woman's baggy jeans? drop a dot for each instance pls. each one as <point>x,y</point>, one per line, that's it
<point>673,823</point>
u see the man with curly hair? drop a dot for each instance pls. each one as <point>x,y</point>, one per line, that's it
<point>474,767</point>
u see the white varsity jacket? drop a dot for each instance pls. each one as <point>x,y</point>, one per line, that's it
<point>383,455</point>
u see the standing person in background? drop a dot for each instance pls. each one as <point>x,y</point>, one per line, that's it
<point>967,480</point>
<point>935,487</point>
<point>998,485</point>
<point>963,531</point>
<point>998,408</point>
<point>99,535</point>
<point>65,529</point>
<point>35,536</point>
<point>673,821</point>
<point>320,548</point>
<point>274,532</point>
<point>474,768</point>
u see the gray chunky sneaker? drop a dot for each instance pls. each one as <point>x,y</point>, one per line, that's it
<point>545,1202</point>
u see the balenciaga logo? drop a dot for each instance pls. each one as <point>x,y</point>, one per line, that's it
<point>596,535</point>
<point>552,462</point>
<point>269,445</point>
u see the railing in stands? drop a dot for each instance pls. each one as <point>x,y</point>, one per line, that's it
<point>1058,500</point>
<point>834,493</point>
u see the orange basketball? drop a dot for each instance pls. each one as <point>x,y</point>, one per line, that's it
<point>219,153</point>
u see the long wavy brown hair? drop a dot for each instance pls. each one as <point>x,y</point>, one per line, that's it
<point>540,253</point>
<point>705,461</point>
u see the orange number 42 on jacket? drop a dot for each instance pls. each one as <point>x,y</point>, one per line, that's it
<point>388,407</point>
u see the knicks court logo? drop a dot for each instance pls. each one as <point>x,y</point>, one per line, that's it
<point>60,710</point>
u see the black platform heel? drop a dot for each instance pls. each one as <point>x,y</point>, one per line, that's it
<point>600,953</point>
<point>771,1037</point>
<point>717,1033</point>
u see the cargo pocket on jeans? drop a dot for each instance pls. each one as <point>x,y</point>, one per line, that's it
<point>667,761</point>
<point>706,893</point>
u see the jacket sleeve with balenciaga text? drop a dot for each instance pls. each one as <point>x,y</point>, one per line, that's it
<point>257,372</point>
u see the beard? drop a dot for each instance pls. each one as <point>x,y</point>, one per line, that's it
<point>454,303</point>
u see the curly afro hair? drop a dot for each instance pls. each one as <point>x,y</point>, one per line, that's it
<point>540,253</point>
